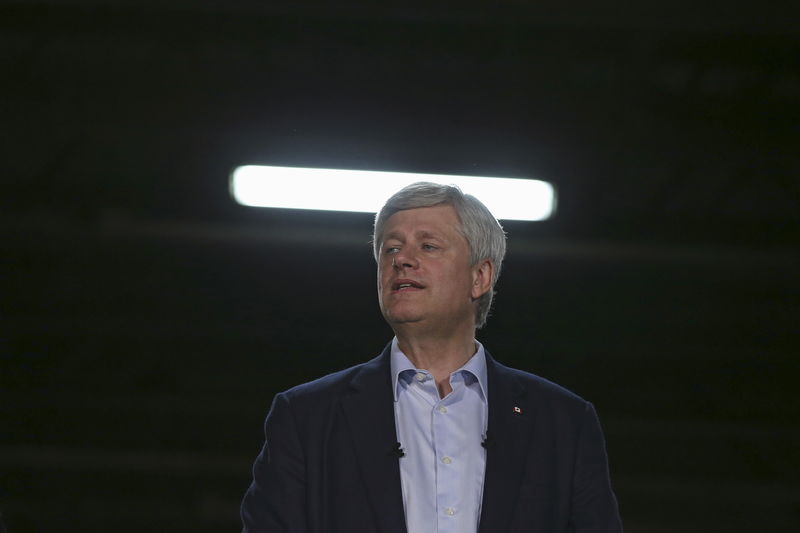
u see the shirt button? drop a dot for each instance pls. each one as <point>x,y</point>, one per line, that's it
<point>450,511</point>
<point>446,460</point>
<point>420,376</point>
<point>442,409</point>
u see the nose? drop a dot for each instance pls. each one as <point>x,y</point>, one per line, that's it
<point>403,260</point>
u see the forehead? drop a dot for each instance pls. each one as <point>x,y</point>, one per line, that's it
<point>437,221</point>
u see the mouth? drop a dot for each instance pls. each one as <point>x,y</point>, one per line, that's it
<point>402,285</point>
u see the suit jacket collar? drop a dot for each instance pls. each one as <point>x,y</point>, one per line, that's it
<point>369,410</point>
<point>511,417</point>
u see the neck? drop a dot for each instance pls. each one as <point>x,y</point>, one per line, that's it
<point>439,355</point>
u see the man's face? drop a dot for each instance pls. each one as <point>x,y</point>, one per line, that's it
<point>424,272</point>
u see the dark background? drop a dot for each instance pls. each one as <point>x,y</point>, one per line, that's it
<point>148,320</point>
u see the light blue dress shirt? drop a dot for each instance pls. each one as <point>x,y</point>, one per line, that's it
<point>444,463</point>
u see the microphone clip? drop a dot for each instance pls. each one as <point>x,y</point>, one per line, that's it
<point>397,451</point>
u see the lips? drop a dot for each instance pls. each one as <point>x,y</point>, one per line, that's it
<point>406,284</point>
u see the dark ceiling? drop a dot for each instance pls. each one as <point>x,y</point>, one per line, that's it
<point>655,123</point>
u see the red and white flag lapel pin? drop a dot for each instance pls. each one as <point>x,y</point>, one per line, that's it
<point>517,410</point>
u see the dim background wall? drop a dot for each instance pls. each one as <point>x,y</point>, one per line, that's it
<point>148,320</point>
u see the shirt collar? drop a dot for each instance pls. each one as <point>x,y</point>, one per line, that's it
<point>475,366</point>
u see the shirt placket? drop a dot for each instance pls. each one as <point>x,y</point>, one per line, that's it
<point>447,455</point>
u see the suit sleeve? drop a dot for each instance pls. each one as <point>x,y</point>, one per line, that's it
<point>594,506</point>
<point>275,501</point>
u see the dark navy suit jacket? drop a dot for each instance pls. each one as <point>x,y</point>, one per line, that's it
<point>329,465</point>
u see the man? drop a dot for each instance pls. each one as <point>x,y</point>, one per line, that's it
<point>433,435</point>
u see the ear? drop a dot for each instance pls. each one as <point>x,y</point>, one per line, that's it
<point>481,278</point>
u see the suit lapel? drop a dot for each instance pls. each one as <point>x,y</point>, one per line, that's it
<point>369,411</point>
<point>510,427</point>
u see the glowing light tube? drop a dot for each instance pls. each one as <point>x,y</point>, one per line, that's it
<point>366,191</point>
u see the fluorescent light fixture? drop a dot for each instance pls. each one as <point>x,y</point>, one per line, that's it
<point>366,191</point>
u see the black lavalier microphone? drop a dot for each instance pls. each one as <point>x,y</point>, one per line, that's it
<point>486,441</point>
<point>397,451</point>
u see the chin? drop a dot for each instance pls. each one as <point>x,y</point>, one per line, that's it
<point>401,317</point>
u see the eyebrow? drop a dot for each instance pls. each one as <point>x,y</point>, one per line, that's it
<point>429,235</point>
<point>424,234</point>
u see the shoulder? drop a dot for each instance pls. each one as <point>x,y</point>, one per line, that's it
<point>544,386</point>
<point>325,385</point>
<point>313,406</point>
<point>332,386</point>
<point>537,388</point>
<point>556,407</point>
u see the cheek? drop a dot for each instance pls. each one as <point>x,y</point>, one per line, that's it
<point>382,277</point>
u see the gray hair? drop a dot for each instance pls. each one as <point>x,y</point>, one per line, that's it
<point>484,235</point>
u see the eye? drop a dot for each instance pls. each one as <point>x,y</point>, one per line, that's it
<point>427,246</point>
<point>391,250</point>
